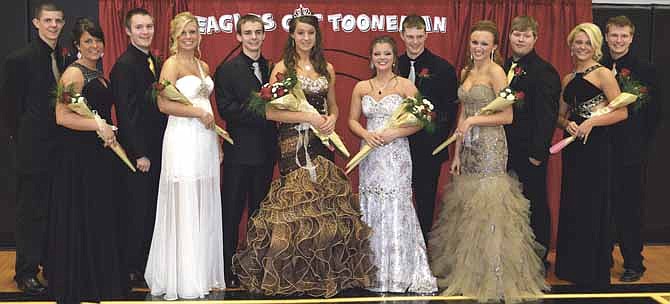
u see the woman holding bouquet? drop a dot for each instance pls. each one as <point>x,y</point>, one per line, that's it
<point>584,247</point>
<point>386,176</point>
<point>84,258</point>
<point>186,255</point>
<point>307,237</point>
<point>482,245</point>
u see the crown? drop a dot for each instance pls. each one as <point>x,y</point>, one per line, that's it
<point>301,11</point>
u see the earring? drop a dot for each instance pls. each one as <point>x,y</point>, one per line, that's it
<point>472,58</point>
<point>372,66</point>
<point>78,55</point>
<point>493,51</point>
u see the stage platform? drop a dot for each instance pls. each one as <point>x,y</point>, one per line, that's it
<point>654,287</point>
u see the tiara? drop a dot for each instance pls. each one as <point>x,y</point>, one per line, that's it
<point>301,11</point>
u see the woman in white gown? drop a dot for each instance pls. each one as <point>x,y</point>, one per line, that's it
<point>386,177</point>
<point>186,255</point>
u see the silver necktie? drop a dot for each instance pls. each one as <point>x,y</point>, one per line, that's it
<point>257,71</point>
<point>54,66</point>
<point>412,72</point>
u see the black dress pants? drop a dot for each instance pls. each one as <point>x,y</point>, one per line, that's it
<point>243,185</point>
<point>627,188</point>
<point>31,222</point>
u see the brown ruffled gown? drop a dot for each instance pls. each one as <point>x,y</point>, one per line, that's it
<point>307,237</point>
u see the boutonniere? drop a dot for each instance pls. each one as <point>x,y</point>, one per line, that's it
<point>158,57</point>
<point>519,71</point>
<point>425,73</point>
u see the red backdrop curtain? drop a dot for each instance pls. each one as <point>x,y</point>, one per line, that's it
<point>348,50</point>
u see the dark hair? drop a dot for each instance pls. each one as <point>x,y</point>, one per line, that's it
<point>133,12</point>
<point>315,56</point>
<point>484,26</point>
<point>413,21</point>
<point>389,40</point>
<point>45,6</point>
<point>248,18</point>
<point>85,25</point>
<point>621,21</point>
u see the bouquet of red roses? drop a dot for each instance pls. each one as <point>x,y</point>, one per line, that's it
<point>286,94</point>
<point>630,85</point>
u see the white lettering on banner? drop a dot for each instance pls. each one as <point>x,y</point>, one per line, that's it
<point>338,22</point>
<point>377,23</point>
<point>335,20</point>
<point>348,23</point>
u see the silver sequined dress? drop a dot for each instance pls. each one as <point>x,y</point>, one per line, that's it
<point>386,203</point>
<point>482,245</point>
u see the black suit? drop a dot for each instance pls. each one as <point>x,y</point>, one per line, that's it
<point>630,143</point>
<point>529,135</point>
<point>141,128</point>
<point>440,87</point>
<point>29,114</point>
<point>248,164</point>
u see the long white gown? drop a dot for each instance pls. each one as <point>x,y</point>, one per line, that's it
<point>386,202</point>
<point>186,255</point>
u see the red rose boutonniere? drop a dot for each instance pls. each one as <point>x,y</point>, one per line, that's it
<point>425,73</point>
<point>519,71</point>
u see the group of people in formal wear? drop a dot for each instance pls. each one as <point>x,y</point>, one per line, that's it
<point>174,223</point>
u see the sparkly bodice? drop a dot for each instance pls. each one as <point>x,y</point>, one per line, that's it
<point>484,150</point>
<point>378,111</point>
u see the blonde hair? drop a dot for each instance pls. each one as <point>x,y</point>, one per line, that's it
<point>177,26</point>
<point>595,36</point>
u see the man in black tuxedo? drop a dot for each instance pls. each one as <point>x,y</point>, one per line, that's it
<point>31,73</point>
<point>529,135</point>
<point>436,80</point>
<point>249,163</point>
<point>141,128</point>
<point>630,144</point>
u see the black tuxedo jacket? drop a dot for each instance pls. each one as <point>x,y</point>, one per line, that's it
<point>631,136</point>
<point>28,104</point>
<point>255,137</point>
<point>530,133</point>
<point>141,124</point>
<point>440,87</point>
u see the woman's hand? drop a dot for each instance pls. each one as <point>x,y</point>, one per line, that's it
<point>107,134</point>
<point>455,168</point>
<point>387,135</point>
<point>207,119</point>
<point>572,127</point>
<point>373,139</point>
<point>329,124</point>
<point>463,128</point>
<point>584,130</point>
<point>318,121</point>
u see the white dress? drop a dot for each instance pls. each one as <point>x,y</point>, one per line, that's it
<point>186,255</point>
<point>386,203</point>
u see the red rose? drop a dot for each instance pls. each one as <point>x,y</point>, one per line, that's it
<point>64,52</point>
<point>66,97</point>
<point>281,92</point>
<point>518,71</point>
<point>158,86</point>
<point>625,72</point>
<point>643,90</point>
<point>519,95</point>
<point>280,76</point>
<point>266,92</point>
<point>424,73</point>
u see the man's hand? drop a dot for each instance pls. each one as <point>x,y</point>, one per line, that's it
<point>143,164</point>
